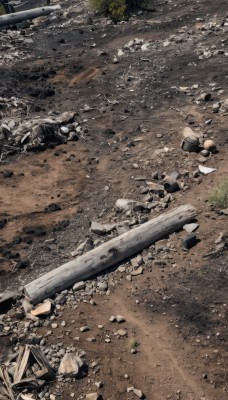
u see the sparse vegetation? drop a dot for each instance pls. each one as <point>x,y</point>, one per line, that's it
<point>133,343</point>
<point>219,196</point>
<point>118,10</point>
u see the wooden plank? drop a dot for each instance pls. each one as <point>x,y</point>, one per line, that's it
<point>109,253</point>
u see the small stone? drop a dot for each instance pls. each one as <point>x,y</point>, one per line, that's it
<point>70,365</point>
<point>54,325</point>
<point>204,153</point>
<point>102,286</point>
<point>84,329</point>
<point>101,229</point>
<point>121,269</point>
<point>189,228</point>
<point>79,286</point>
<point>99,385</point>
<point>138,271</point>
<point>209,144</point>
<point>189,241</point>
<point>64,129</point>
<point>216,107</point>
<point>224,211</point>
<point>93,396</point>
<point>121,332</point>
<point>138,393</point>
<point>63,323</point>
<point>112,318</point>
<point>120,319</point>
<point>8,174</point>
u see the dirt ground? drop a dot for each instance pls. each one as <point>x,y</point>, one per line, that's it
<point>176,313</point>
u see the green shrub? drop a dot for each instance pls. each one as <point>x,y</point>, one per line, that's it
<point>117,10</point>
<point>219,196</point>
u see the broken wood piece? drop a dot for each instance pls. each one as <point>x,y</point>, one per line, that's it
<point>108,254</point>
<point>8,295</point>
<point>22,363</point>
<point>27,396</point>
<point>42,361</point>
<point>31,383</point>
<point>42,309</point>
<point>17,17</point>
<point>6,379</point>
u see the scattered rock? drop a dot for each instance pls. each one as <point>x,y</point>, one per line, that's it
<point>84,328</point>
<point>137,271</point>
<point>79,286</point>
<point>189,228</point>
<point>120,319</point>
<point>102,286</point>
<point>101,229</point>
<point>121,332</point>
<point>138,393</point>
<point>94,396</point>
<point>189,241</point>
<point>72,365</point>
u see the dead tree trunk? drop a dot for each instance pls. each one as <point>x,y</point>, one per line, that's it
<point>109,253</point>
<point>15,18</point>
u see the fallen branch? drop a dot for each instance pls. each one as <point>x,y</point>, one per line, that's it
<point>15,18</point>
<point>109,253</point>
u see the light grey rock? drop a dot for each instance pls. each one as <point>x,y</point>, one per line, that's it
<point>102,286</point>
<point>79,286</point>
<point>189,228</point>
<point>131,205</point>
<point>138,393</point>
<point>120,319</point>
<point>84,328</point>
<point>101,229</point>
<point>137,271</point>
<point>70,365</point>
<point>93,396</point>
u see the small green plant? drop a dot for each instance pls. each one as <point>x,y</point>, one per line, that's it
<point>219,196</point>
<point>118,10</point>
<point>133,343</point>
<point>115,9</point>
<point>2,10</point>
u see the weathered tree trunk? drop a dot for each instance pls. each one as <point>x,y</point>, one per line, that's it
<point>15,18</point>
<point>109,253</point>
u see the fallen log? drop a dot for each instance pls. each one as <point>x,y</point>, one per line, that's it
<point>15,18</point>
<point>109,253</point>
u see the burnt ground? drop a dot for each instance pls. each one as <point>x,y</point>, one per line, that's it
<point>178,313</point>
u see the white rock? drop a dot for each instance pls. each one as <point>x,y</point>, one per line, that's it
<point>79,286</point>
<point>64,129</point>
<point>70,365</point>
<point>189,228</point>
<point>138,393</point>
